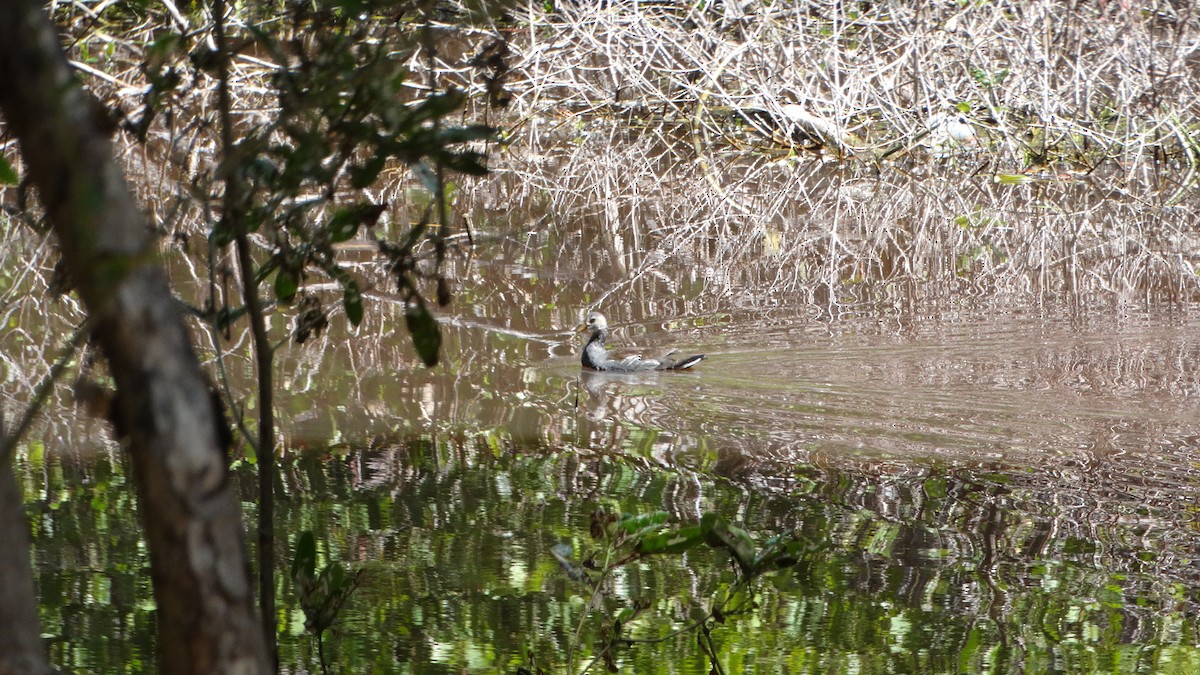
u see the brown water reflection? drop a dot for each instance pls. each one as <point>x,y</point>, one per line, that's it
<point>965,385</point>
<point>1024,471</point>
<point>976,441</point>
<point>1023,480</point>
<point>1088,415</point>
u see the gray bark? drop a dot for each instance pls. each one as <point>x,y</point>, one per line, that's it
<point>206,618</point>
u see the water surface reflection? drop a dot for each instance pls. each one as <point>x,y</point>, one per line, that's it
<point>983,491</point>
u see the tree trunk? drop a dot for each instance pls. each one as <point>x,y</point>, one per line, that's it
<point>163,411</point>
<point>21,648</point>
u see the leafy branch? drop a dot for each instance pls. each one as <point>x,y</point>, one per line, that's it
<point>627,538</point>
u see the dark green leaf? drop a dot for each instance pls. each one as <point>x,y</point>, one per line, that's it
<point>343,225</point>
<point>426,335</point>
<point>345,222</point>
<point>286,286</point>
<point>674,541</point>
<point>633,524</point>
<point>472,132</point>
<point>438,105</point>
<point>7,175</point>
<point>720,534</point>
<point>352,301</point>
<point>159,51</point>
<point>363,175</point>
<point>470,163</point>
<point>304,562</point>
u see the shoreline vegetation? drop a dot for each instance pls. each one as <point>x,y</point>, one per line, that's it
<point>839,149</point>
<point>720,172</point>
<point>843,157</point>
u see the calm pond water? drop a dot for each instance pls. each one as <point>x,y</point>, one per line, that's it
<point>982,491</point>
<point>964,381</point>
<point>980,479</point>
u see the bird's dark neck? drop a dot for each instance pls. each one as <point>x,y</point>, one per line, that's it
<point>599,337</point>
<point>593,352</point>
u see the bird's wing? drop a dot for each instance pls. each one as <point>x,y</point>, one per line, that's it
<point>632,361</point>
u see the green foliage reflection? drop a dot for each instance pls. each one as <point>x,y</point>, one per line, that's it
<point>458,545</point>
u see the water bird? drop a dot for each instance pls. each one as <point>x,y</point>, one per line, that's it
<point>948,132</point>
<point>793,125</point>
<point>596,357</point>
